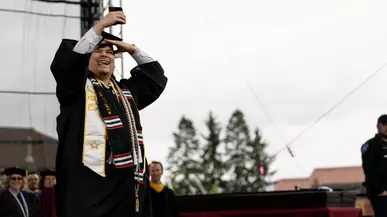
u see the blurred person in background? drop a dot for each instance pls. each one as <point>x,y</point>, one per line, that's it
<point>33,183</point>
<point>3,177</point>
<point>48,179</point>
<point>163,198</point>
<point>14,201</point>
<point>374,162</point>
<point>47,195</point>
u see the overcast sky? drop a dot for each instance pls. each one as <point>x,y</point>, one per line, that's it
<point>300,57</point>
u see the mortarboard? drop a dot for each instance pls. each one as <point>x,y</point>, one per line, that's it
<point>15,170</point>
<point>107,35</point>
<point>45,173</point>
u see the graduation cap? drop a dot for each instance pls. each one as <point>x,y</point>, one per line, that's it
<point>49,172</point>
<point>106,35</point>
<point>15,170</point>
<point>43,174</point>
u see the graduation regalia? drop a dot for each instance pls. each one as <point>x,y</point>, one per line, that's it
<point>47,196</point>
<point>9,207</point>
<point>80,191</point>
<point>164,202</point>
<point>24,204</point>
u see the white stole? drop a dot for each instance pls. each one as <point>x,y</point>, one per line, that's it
<point>94,138</point>
<point>95,135</point>
<point>25,211</point>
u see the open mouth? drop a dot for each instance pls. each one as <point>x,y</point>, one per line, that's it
<point>103,63</point>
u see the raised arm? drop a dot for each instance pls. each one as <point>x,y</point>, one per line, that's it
<point>71,60</point>
<point>147,80</point>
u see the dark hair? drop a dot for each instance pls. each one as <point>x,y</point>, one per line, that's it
<point>159,163</point>
<point>382,119</point>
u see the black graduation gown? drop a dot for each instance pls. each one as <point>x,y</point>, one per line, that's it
<point>80,192</point>
<point>164,203</point>
<point>9,207</point>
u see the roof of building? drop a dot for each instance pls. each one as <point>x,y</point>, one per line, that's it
<point>324,176</point>
<point>338,175</point>
<point>290,184</point>
<point>16,134</point>
<point>14,148</point>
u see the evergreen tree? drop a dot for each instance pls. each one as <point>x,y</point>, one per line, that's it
<point>211,160</point>
<point>237,144</point>
<point>184,159</point>
<point>259,169</point>
<point>248,162</point>
<point>239,163</point>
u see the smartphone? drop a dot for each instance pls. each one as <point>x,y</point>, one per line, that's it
<point>115,9</point>
<point>111,9</point>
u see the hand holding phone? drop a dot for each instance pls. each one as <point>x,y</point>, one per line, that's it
<point>112,9</point>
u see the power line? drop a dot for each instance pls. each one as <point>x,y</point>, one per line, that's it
<point>40,14</point>
<point>213,24</point>
<point>264,110</point>
<point>300,168</point>
<point>68,2</point>
<point>332,108</point>
<point>26,92</point>
<point>59,1</point>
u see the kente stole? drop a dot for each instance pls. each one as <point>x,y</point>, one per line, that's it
<point>111,115</point>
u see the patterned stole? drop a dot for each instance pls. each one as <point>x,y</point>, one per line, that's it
<point>129,138</point>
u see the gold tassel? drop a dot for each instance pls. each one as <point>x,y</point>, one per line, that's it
<point>137,204</point>
<point>137,199</point>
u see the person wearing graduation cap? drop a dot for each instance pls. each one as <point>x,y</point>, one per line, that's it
<point>47,195</point>
<point>48,179</point>
<point>374,162</point>
<point>14,202</point>
<point>101,168</point>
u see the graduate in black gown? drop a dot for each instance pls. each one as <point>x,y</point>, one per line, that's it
<point>14,202</point>
<point>163,199</point>
<point>101,169</point>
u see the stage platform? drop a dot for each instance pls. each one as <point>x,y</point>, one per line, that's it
<point>269,204</point>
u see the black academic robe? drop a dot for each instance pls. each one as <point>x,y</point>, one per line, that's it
<point>80,192</point>
<point>9,207</point>
<point>164,203</point>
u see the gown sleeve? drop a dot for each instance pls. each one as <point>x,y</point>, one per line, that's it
<point>69,69</point>
<point>146,83</point>
<point>147,210</point>
<point>172,203</point>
